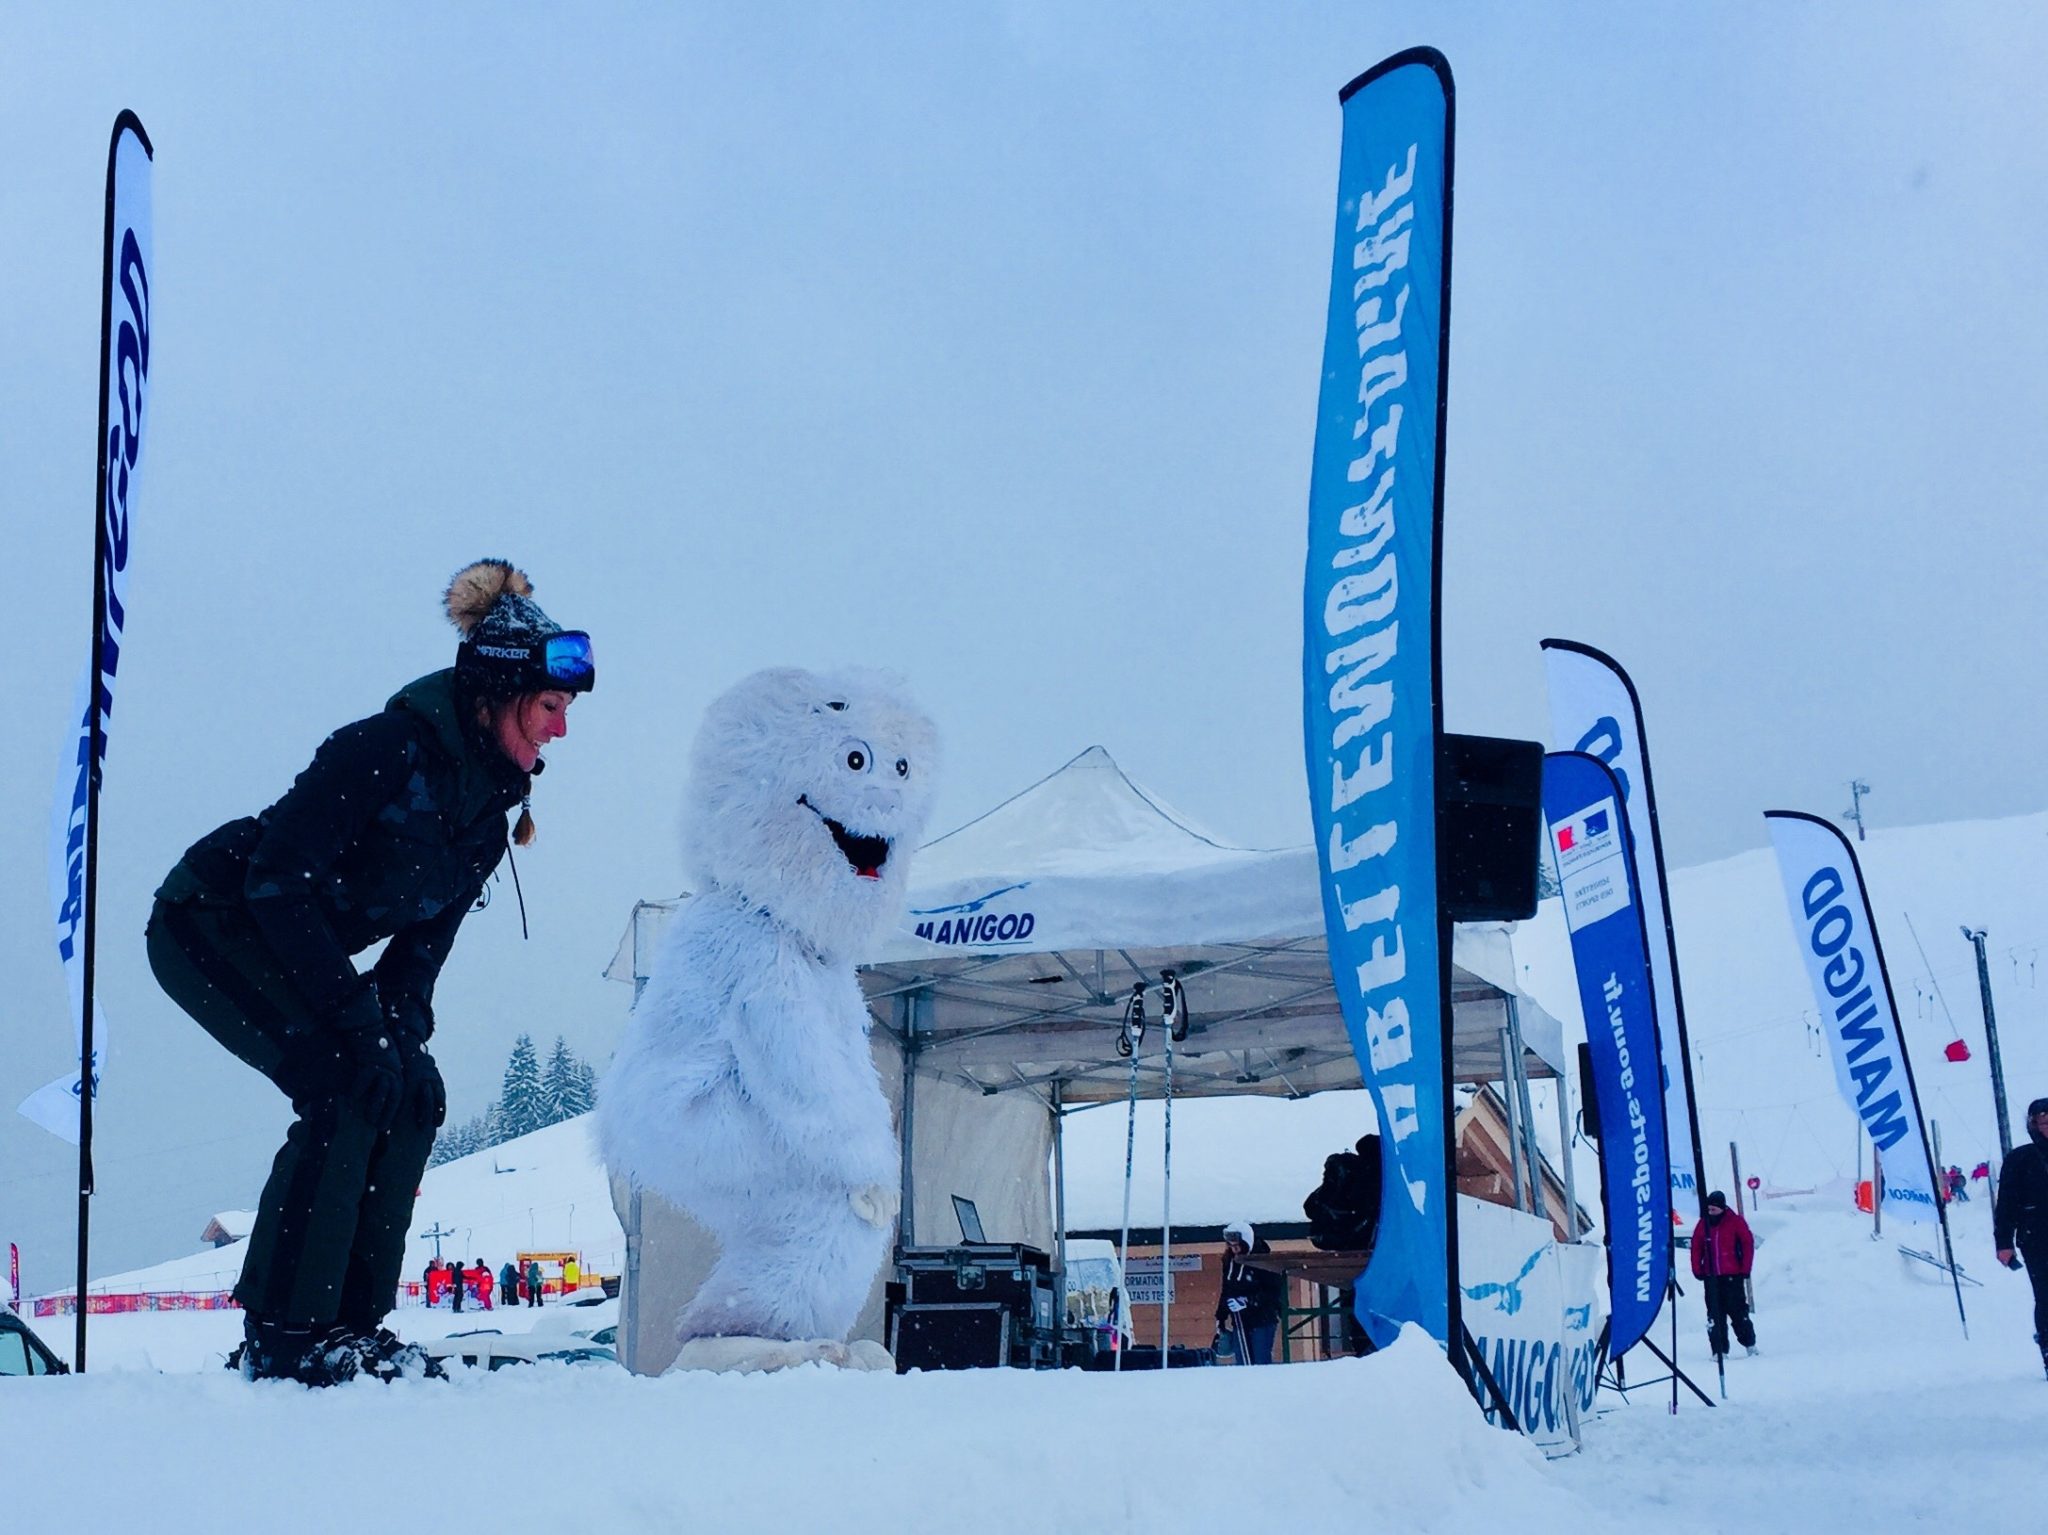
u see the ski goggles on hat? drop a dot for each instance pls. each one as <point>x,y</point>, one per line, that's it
<point>567,657</point>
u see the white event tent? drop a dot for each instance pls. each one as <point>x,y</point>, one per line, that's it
<point>998,1005</point>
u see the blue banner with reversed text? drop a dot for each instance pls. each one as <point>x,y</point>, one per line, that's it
<point>1603,910</point>
<point>1370,689</point>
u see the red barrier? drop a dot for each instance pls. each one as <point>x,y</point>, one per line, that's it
<point>153,1300</point>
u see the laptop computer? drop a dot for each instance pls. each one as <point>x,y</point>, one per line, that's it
<point>970,1220</point>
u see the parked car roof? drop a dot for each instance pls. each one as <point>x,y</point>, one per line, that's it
<point>37,1359</point>
<point>496,1351</point>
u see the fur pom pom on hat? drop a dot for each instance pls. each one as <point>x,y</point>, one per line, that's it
<point>505,635</point>
<point>477,588</point>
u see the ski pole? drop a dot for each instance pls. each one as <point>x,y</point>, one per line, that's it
<point>1128,1040</point>
<point>1166,1171</point>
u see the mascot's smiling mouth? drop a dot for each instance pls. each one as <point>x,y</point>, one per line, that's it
<point>865,854</point>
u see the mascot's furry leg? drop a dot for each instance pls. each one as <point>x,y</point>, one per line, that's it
<point>788,1285</point>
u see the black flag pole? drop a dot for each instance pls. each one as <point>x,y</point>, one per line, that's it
<point>98,699</point>
<point>88,1065</point>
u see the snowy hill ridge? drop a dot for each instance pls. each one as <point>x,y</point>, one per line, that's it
<point>544,1192</point>
<point>1762,1073</point>
<point>1760,1066</point>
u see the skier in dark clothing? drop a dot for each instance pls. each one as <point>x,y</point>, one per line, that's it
<point>390,833</point>
<point>1723,1252</point>
<point>508,1285</point>
<point>2019,1219</point>
<point>1250,1303</point>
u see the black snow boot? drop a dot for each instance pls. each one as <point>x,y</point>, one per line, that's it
<point>278,1351</point>
<point>383,1355</point>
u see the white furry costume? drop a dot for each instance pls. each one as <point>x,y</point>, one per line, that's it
<point>743,1091</point>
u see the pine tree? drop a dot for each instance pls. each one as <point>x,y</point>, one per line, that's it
<point>586,1080</point>
<point>521,1107</point>
<point>568,1086</point>
<point>557,1083</point>
<point>458,1140</point>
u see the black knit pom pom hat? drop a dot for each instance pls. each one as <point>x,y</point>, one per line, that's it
<point>509,644</point>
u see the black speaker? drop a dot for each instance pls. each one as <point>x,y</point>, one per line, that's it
<point>1489,827</point>
<point>1589,1101</point>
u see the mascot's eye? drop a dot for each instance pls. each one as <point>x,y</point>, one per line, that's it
<point>902,767</point>
<point>856,755</point>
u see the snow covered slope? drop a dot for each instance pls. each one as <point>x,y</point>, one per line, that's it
<point>1867,1410</point>
<point>1762,1072</point>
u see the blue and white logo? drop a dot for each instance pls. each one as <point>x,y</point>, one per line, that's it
<point>977,923</point>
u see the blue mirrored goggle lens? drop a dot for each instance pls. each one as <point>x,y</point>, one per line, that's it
<point>568,657</point>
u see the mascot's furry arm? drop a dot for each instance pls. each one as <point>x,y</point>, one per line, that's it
<point>824,1103</point>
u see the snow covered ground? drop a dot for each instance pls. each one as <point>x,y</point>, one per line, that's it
<point>1867,1410</point>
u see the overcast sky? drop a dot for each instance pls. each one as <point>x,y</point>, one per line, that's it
<point>981,342</point>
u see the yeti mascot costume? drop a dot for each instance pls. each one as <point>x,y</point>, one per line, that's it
<point>743,1091</point>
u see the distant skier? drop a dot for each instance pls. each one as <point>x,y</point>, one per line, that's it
<point>533,1282</point>
<point>1723,1252</point>
<point>2020,1218</point>
<point>1250,1303</point>
<point>508,1284</point>
<point>389,834</point>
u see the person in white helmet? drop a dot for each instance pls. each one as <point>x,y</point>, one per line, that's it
<point>1249,1307</point>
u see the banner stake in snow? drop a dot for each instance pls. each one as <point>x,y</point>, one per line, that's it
<point>1837,937</point>
<point>1372,695</point>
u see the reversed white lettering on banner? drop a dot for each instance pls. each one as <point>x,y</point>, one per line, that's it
<point>1359,618</point>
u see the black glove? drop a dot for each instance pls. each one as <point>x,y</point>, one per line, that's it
<point>425,1095</point>
<point>372,1067</point>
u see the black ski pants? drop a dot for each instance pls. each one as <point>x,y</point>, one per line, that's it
<point>1727,1305</point>
<point>2034,1254</point>
<point>329,1239</point>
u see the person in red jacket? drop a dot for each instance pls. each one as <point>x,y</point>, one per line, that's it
<point>1722,1253</point>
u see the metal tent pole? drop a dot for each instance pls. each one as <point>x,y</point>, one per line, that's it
<point>1531,1157</point>
<point>1564,1139</point>
<point>1507,1103</point>
<point>906,1234</point>
<point>1059,1222</point>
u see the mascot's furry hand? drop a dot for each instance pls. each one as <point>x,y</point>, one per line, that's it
<point>744,1091</point>
<point>877,1204</point>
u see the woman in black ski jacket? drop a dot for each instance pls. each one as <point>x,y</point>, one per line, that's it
<point>390,833</point>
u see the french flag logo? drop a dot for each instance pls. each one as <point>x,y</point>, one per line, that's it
<point>1572,833</point>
